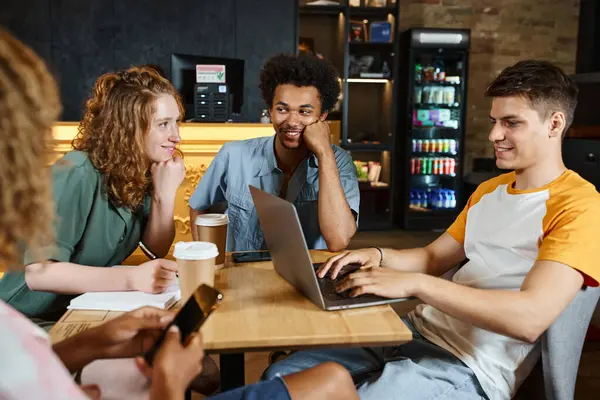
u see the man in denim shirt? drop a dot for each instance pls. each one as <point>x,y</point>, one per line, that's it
<point>298,163</point>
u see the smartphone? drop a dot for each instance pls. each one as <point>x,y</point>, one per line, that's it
<point>251,256</point>
<point>190,317</point>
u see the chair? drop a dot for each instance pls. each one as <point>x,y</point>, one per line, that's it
<point>556,373</point>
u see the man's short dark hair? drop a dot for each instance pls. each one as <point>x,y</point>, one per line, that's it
<point>300,70</point>
<point>544,85</point>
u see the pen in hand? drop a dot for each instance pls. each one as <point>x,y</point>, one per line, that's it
<point>150,254</point>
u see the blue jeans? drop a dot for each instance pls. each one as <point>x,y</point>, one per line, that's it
<point>416,370</point>
<point>274,389</point>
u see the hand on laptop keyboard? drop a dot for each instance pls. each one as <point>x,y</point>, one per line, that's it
<point>328,286</point>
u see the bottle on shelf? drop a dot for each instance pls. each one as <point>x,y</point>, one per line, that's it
<point>444,146</point>
<point>449,95</point>
<point>433,166</point>
<point>264,117</point>
<point>432,199</point>
<point>418,94</point>
<point>418,73</point>
<point>428,73</point>
<point>385,70</point>
<point>439,70</point>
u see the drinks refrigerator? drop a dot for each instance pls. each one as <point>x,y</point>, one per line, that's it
<point>431,127</point>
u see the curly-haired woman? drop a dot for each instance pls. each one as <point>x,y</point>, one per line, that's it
<point>115,189</point>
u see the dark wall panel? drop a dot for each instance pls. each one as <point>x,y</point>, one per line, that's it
<point>34,29</point>
<point>83,39</point>
<point>263,28</point>
<point>149,32</point>
<point>82,48</point>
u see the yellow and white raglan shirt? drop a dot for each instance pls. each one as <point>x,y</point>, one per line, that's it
<point>504,232</point>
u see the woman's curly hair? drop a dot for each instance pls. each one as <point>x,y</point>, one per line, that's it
<point>113,129</point>
<point>300,70</point>
<point>29,105</point>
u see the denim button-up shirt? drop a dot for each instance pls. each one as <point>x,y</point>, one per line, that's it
<point>253,162</point>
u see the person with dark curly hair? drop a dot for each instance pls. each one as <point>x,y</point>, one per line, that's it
<point>115,189</point>
<point>298,163</point>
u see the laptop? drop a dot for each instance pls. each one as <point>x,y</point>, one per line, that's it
<point>283,233</point>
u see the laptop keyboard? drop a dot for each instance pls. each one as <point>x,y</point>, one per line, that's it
<point>328,286</point>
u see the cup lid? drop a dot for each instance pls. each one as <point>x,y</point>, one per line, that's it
<point>212,219</point>
<point>195,250</point>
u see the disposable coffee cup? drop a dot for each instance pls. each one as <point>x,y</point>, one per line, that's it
<point>195,265</point>
<point>212,228</point>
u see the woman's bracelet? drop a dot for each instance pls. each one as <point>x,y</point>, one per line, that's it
<point>380,254</point>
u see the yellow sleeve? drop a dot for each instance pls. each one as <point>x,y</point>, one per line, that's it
<point>459,226</point>
<point>572,239</point>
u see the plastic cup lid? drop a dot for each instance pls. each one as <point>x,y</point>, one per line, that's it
<point>195,250</point>
<point>212,219</point>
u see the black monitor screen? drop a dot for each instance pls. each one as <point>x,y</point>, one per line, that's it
<point>183,76</point>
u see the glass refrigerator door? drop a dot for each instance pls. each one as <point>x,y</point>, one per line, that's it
<point>437,95</point>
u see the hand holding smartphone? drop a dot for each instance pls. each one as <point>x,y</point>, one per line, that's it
<point>190,317</point>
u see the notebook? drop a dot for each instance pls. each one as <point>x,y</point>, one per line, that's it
<point>126,301</point>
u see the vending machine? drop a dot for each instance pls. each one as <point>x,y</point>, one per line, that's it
<point>431,127</point>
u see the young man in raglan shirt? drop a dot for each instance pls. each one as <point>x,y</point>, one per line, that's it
<point>530,237</point>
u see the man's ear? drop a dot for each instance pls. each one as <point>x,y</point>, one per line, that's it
<point>323,116</point>
<point>557,124</point>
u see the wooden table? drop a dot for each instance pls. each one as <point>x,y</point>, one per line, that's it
<point>261,311</point>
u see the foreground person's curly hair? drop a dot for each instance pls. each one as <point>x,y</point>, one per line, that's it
<point>116,120</point>
<point>29,104</point>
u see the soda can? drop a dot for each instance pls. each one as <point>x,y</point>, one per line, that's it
<point>419,145</point>
<point>426,144</point>
<point>446,146</point>
<point>452,167</point>
<point>453,147</point>
<point>419,166</point>
<point>413,166</point>
<point>440,145</point>
<point>414,145</point>
<point>429,165</point>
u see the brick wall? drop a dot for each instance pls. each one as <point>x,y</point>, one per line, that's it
<point>503,32</point>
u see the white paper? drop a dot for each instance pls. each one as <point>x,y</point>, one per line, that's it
<point>126,301</point>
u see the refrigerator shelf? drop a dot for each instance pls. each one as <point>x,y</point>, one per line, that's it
<point>437,105</point>
<point>371,11</point>
<point>440,128</point>
<point>438,175</point>
<point>366,146</point>
<point>435,83</point>
<point>435,154</point>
